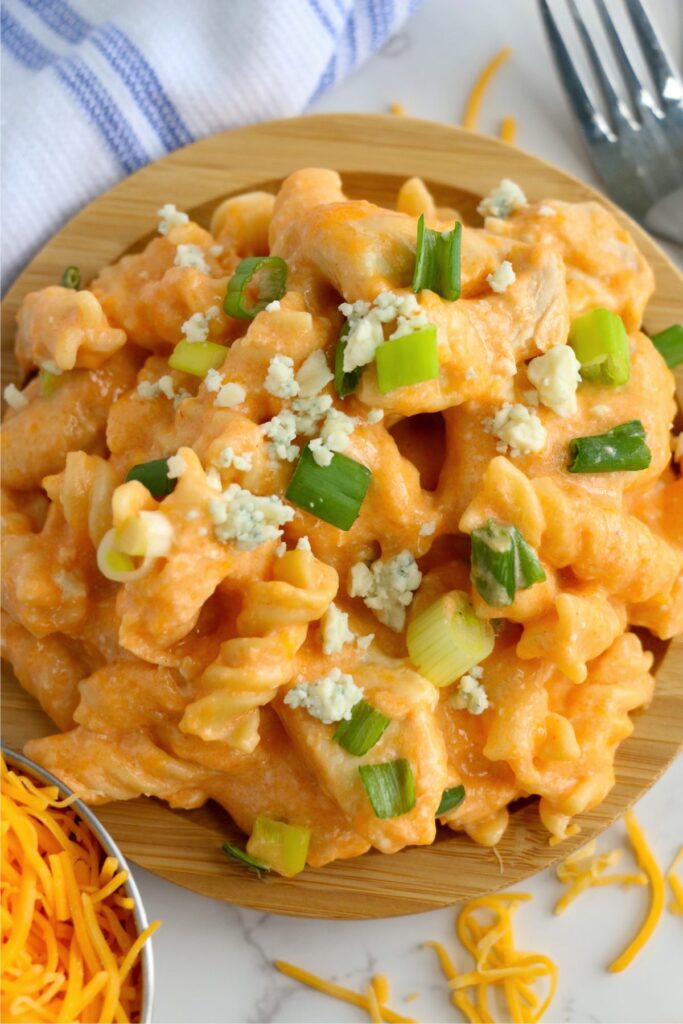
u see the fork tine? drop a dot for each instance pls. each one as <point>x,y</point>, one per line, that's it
<point>637,89</point>
<point>591,121</point>
<point>617,110</point>
<point>669,86</point>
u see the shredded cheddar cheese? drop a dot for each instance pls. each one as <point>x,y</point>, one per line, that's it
<point>582,870</point>
<point>397,108</point>
<point>676,905</point>
<point>508,129</point>
<point>365,1002</point>
<point>380,984</point>
<point>474,100</point>
<point>69,941</point>
<point>651,868</point>
<point>484,927</point>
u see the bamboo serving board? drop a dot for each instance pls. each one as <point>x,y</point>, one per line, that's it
<point>374,155</point>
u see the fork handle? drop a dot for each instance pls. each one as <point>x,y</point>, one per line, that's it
<point>666,216</point>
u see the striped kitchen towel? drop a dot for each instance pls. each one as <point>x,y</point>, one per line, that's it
<point>95,89</point>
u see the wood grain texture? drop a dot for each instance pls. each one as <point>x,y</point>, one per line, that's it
<point>374,155</point>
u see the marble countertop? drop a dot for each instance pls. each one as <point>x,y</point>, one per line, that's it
<point>213,961</point>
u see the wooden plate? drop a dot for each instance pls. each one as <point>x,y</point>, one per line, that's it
<point>374,155</point>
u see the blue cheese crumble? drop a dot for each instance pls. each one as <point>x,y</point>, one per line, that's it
<point>470,694</point>
<point>280,380</point>
<point>387,587</point>
<point>188,255</point>
<point>170,217</point>
<point>556,375</point>
<point>246,519</point>
<point>501,279</point>
<point>517,428</point>
<point>329,699</point>
<point>504,199</point>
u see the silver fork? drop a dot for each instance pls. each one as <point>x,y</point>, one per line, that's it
<point>638,148</point>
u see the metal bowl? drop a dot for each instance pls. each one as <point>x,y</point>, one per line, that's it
<point>112,850</point>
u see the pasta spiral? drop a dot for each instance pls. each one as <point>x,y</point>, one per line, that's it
<point>271,628</point>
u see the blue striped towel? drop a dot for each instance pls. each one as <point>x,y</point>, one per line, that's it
<point>95,89</point>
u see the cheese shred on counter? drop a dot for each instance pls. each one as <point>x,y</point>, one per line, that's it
<point>369,1002</point>
<point>582,870</point>
<point>484,927</point>
<point>476,96</point>
<point>676,905</point>
<point>69,938</point>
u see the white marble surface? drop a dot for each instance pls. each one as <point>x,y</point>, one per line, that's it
<point>213,961</point>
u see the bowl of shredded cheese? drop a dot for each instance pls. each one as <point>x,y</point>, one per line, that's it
<point>74,930</point>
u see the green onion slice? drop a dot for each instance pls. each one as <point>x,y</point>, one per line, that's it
<point>437,260</point>
<point>154,476</point>
<point>407,360</point>
<point>362,731</point>
<point>669,344</point>
<point>502,563</point>
<point>49,382</point>
<point>279,846</point>
<point>447,639</point>
<point>333,493</point>
<point>71,278</point>
<point>267,275</point>
<point>450,798</point>
<point>197,357</point>
<point>345,383</point>
<point>621,448</point>
<point>390,787</point>
<point>600,344</point>
<point>242,857</point>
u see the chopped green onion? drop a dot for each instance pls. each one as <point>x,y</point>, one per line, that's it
<point>281,847</point>
<point>345,383</point>
<point>362,731</point>
<point>197,357</point>
<point>621,448</point>
<point>118,562</point>
<point>390,787</point>
<point>669,344</point>
<point>450,798</point>
<point>502,563</point>
<point>447,639</point>
<point>407,360</point>
<point>600,344</point>
<point>269,274</point>
<point>334,493</point>
<point>437,260</point>
<point>71,278</point>
<point>49,382</point>
<point>154,476</point>
<point>242,857</point>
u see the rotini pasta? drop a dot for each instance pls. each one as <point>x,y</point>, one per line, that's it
<point>291,527</point>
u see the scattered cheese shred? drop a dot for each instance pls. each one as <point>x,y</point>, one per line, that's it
<point>397,108</point>
<point>474,100</point>
<point>380,983</point>
<point>651,868</point>
<point>346,995</point>
<point>373,1005</point>
<point>69,937</point>
<point>676,906</point>
<point>508,129</point>
<point>582,870</point>
<point>484,927</point>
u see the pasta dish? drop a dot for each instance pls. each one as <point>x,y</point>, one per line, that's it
<point>340,516</point>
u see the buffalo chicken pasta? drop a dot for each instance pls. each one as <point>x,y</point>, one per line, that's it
<point>340,515</point>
